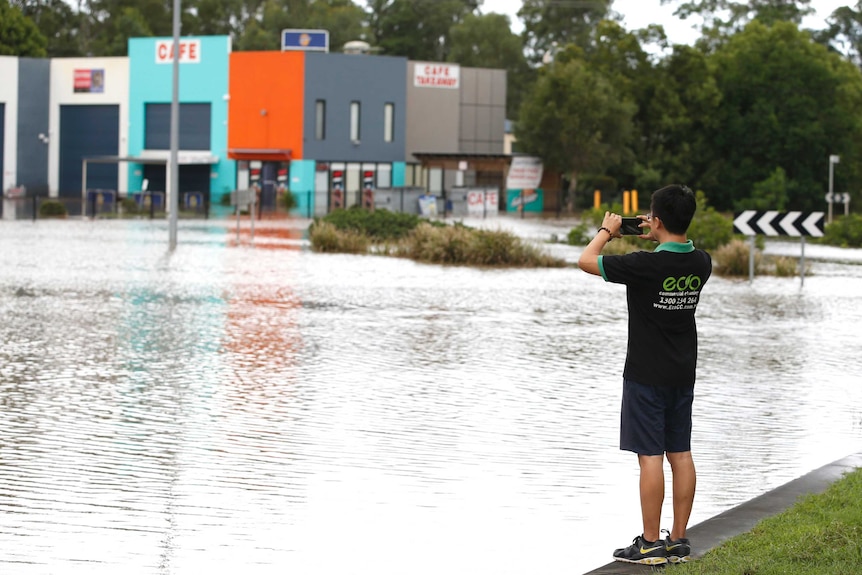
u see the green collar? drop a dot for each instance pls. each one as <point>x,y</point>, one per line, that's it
<point>676,247</point>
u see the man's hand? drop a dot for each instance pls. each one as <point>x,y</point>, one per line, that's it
<point>610,229</point>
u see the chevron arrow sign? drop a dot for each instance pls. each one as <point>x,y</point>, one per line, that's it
<point>773,223</point>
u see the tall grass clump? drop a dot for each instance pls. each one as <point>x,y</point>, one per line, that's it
<point>785,266</point>
<point>327,238</point>
<point>52,209</point>
<point>459,245</point>
<point>732,259</point>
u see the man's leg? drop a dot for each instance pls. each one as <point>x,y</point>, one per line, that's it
<point>652,494</point>
<point>684,483</point>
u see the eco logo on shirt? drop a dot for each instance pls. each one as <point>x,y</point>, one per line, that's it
<point>684,283</point>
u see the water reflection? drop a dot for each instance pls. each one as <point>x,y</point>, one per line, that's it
<point>275,410</point>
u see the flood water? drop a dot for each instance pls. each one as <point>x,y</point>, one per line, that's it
<point>271,410</point>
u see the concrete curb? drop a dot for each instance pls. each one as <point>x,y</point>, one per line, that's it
<point>742,518</point>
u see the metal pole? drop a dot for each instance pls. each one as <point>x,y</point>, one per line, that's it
<point>751,260</point>
<point>829,220</point>
<point>173,189</point>
<point>802,262</point>
<point>833,159</point>
<point>84,190</point>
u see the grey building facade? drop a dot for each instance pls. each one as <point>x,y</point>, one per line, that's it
<point>34,80</point>
<point>355,108</point>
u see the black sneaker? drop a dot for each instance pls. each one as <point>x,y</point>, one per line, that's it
<point>643,552</point>
<point>678,550</point>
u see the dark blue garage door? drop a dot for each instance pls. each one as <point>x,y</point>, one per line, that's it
<point>88,131</point>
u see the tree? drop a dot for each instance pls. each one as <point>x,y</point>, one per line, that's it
<point>729,16</point>
<point>417,29</point>
<point>555,23</point>
<point>261,29</point>
<point>344,20</point>
<point>845,32</point>
<point>786,102</point>
<point>19,36</point>
<point>575,119</point>
<point>57,22</point>
<point>213,17</point>
<point>769,194</point>
<point>487,41</point>
<point>678,117</point>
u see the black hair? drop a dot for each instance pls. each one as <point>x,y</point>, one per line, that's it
<point>675,206</point>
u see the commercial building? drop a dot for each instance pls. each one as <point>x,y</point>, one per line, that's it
<point>332,128</point>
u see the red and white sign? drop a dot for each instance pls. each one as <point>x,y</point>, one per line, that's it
<point>190,51</point>
<point>525,173</point>
<point>435,75</point>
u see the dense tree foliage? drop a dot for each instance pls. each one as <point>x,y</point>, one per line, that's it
<point>551,24</point>
<point>418,29</point>
<point>786,103</point>
<point>19,36</point>
<point>576,118</point>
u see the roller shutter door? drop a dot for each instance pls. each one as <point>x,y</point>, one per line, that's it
<point>88,131</point>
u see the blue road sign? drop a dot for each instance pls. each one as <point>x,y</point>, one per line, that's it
<point>308,40</point>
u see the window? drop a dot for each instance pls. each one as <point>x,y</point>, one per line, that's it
<point>384,175</point>
<point>194,126</point>
<point>388,121</point>
<point>354,122</point>
<point>320,120</point>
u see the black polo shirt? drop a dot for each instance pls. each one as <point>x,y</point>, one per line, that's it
<point>662,290</point>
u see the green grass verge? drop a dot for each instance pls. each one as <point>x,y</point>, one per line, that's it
<point>821,534</point>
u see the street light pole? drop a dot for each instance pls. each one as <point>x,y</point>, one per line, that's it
<point>833,159</point>
<point>173,164</point>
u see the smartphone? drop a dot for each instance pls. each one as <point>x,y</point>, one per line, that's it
<point>630,227</point>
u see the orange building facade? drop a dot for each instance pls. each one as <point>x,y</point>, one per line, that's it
<point>266,106</point>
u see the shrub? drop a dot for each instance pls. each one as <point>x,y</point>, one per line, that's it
<point>460,245</point>
<point>785,266</point>
<point>52,209</point>
<point>732,259</point>
<point>709,229</point>
<point>326,238</point>
<point>289,201</point>
<point>844,231</point>
<point>129,206</point>
<point>380,224</point>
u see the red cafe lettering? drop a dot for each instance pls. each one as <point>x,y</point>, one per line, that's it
<point>190,51</point>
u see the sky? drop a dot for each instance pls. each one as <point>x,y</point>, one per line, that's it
<point>641,13</point>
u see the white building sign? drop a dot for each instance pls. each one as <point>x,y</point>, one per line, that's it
<point>436,75</point>
<point>525,173</point>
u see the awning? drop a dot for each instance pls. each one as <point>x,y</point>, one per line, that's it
<point>456,161</point>
<point>263,154</point>
<point>184,157</point>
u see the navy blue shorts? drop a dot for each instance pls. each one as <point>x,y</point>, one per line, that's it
<point>655,419</point>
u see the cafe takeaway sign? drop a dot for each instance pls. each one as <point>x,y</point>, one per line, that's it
<point>436,75</point>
